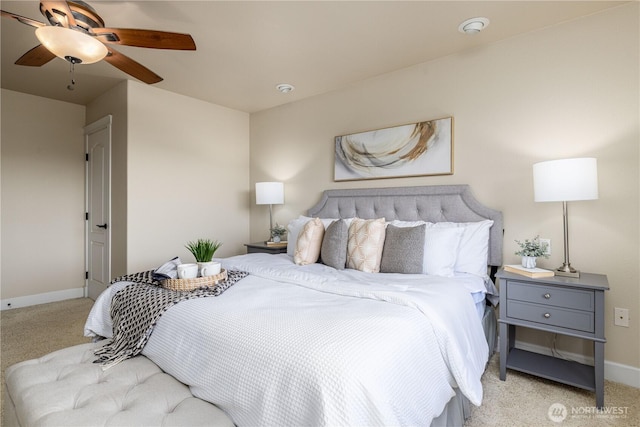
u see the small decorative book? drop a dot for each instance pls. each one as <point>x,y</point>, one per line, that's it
<point>529,272</point>
<point>280,244</point>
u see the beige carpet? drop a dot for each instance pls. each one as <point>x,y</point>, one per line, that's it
<point>521,400</point>
<point>524,400</point>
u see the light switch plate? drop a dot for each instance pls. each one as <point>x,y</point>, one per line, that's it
<point>548,242</point>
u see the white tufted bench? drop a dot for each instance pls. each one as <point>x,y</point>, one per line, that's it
<point>65,388</point>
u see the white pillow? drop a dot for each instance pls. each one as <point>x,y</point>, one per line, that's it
<point>309,242</point>
<point>365,244</point>
<point>473,253</point>
<point>441,250</point>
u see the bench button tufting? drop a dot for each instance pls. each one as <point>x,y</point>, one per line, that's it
<point>78,397</point>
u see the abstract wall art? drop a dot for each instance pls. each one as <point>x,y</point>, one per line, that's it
<point>417,149</point>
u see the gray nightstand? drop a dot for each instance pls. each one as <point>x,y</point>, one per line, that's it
<point>563,305</point>
<point>264,248</point>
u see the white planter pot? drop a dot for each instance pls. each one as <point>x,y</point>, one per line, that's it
<point>529,262</point>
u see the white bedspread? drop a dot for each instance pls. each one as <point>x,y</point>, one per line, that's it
<point>317,346</point>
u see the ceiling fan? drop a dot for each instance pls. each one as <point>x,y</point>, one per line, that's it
<point>76,33</point>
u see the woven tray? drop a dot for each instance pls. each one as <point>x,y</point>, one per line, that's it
<point>195,283</point>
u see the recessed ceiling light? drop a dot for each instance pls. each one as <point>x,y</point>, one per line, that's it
<point>473,25</point>
<point>285,87</point>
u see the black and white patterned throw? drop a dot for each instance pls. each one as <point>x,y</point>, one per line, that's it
<point>136,309</point>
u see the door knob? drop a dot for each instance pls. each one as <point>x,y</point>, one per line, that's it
<point>102,226</point>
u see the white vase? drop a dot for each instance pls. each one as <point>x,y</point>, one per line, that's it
<point>529,262</point>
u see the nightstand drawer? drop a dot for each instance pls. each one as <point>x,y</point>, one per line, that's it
<point>551,295</point>
<point>554,316</point>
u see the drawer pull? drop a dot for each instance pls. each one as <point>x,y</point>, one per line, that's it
<point>547,296</point>
<point>547,315</point>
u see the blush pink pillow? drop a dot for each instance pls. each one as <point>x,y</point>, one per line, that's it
<point>309,242</point>
<point>365,244</point>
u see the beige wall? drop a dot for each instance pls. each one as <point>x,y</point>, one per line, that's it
<point>565,91</point>
<point>187,175</point>
<point>180,171</point>
<point>42,198</point>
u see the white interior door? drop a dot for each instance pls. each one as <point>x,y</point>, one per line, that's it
<point>98,205</point>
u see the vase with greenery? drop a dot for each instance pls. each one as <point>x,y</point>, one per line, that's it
<point>277,233</point>
<point>530,250</point>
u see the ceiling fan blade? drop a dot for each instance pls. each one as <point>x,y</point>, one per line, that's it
<point>58,13</point>
<point>23,19</point>
<point>131,67</point>
<point>36,57</point>
<point>145,38</point>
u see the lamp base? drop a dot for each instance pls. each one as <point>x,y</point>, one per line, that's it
<point>567,271</point>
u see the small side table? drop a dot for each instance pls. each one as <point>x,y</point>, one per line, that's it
<point>563,305</point>
<point>262,247</point>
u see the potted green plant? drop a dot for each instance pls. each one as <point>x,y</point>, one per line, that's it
<point>203,251</point>
<point>277,233</point>
<point>530,250</point>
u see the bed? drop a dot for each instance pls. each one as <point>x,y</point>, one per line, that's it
<point>315,345</point>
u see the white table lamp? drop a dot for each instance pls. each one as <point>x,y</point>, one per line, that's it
<point>564,181</point>
<point>270,193</point>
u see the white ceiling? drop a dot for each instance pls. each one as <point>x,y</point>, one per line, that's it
<point>244,49</point>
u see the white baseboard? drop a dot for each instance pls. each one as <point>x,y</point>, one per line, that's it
<point>623,374</point>
<point>613,371</point>
<point>26,301</point>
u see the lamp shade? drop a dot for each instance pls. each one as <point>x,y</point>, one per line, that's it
<point>67,43</point>
<point>565,180</point>
<point>269,193</point>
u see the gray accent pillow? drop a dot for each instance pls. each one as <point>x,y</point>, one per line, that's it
<point>403,250</point>
<point>333,251</point>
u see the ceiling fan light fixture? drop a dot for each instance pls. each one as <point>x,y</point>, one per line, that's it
<point>66,43</point>
<point>473,25</point>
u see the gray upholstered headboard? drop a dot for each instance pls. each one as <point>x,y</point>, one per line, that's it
<point>438,203</point>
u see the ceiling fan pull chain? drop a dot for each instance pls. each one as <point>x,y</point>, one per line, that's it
<point>71,71</point>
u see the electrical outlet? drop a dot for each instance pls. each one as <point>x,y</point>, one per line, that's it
<point>548,242</point>
<point>621,317</point>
